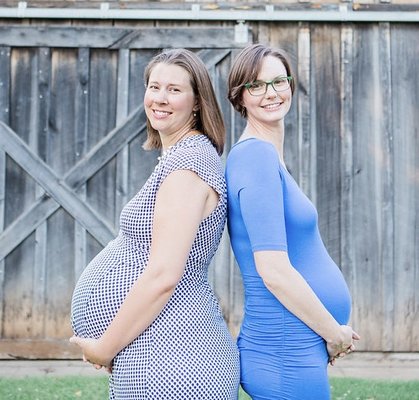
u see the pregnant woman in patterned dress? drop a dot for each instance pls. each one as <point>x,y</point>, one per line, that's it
<point>143,307</point>
<point>296,300</point>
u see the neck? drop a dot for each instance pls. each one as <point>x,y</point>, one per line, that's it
<point>169,140</point>
<point>273,134</point>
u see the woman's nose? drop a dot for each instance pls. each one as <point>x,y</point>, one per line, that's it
<point>270,91</point>
<point>160,97</point>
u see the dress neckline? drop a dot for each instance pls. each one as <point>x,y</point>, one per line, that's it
<point>282,165</point>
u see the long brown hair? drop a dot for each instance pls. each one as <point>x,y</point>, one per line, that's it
<point>245,69</point>
<point>208,119</point>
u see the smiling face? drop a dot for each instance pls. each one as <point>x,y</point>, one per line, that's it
<point>269,108</point>
<point>169,100</point>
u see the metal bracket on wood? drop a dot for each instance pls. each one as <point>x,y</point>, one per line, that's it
<point>21,7</point>
<point>241,32</point>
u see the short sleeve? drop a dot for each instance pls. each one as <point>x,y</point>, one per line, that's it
<point>259,191</point>
<point>201,159</point>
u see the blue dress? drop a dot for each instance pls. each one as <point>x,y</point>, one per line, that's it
<point>281,357</point>
<point>187,353</point>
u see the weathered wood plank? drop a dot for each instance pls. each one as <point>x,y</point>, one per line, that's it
<point>287,39</point>
<point>18,287</point>
<point>385,170</point>
<point>4,117</point>
<point>46,177</point>
<point>37,142</point>
<point>102,119</point>
<point>305,150</point>
<point>2,208</point>
<point>326,80</point>
<point>122,158</point>
<point>20,193</point>
<point>404,101</point>
<point>81,137</point>
<point>236,125</point>
<point>141,162</point>
<point>348,263</point>
<point>366,186</point>
<point>115,38</point>
<point>60,156</point>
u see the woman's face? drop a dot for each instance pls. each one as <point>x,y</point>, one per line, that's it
<point>273,106</point>
<point>169,100</point>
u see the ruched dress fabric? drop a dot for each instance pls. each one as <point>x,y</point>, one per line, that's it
<point>187,353</point>
<point>281,357</point>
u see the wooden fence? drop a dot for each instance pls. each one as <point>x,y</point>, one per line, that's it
<point>71,157</point>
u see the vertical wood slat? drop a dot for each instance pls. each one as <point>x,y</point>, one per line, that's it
<point>81,138</point>
<point>4,117</point>
<point>367,239</point>
<point>236,125</point>
<point>348,263</point>
<point>122,159</point>
<point>19,193</point>
<point>37,140</point>
<point>387,189</point>
<point>60,157</point>
<point>287,39</point>
<point>306,176</point>
<point>326,76</point>
<point>221,273</point>
<point>405,100</point>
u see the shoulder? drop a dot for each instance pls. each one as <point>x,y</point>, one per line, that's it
<point>252,153</point>
<point>202,155</point>
<point>199,156</point>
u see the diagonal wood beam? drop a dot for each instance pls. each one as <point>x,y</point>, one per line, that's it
<point>106,148</point>
<point>17,149</point>
<point>95,159</point>
<point>23,226</point>
<point>212,57</point>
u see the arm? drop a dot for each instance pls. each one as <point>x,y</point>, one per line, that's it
<point>259,188</point>
<point>291,289</point>
<point>181,204</point>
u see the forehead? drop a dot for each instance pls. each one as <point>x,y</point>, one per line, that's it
<point>169,74</point>
<point>271,67</point>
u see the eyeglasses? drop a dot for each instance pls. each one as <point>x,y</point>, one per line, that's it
<point>258,88</point>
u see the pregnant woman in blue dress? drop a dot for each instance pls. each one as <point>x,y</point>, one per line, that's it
<point>296,300</point>
<point>143,307</point>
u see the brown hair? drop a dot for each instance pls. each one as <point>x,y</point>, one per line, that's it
<point>208,120</point>
<point>245,69</point>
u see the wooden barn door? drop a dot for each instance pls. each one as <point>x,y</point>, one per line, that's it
<point>72,126</point>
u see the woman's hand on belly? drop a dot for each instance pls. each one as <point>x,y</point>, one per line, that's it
<point>93,352</point>
<point>341,349</point>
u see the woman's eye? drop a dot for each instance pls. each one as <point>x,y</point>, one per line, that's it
<point>280,80</point>
<point>257,85</point>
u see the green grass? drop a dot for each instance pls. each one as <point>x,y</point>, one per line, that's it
<point>88,388</point>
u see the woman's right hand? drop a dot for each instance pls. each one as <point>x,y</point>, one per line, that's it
<point>342,346</point>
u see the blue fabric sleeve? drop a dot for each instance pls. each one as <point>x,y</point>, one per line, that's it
<point>261,198</point>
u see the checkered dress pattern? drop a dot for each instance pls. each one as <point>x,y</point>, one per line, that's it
<point>187,353</point>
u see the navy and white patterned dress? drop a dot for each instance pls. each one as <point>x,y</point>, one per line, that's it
<point>187,353</point>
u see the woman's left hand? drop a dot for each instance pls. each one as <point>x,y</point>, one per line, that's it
<point>93,352</point>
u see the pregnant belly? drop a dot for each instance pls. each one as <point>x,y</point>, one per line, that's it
<point>328,283</point>
<point>99,293</point>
